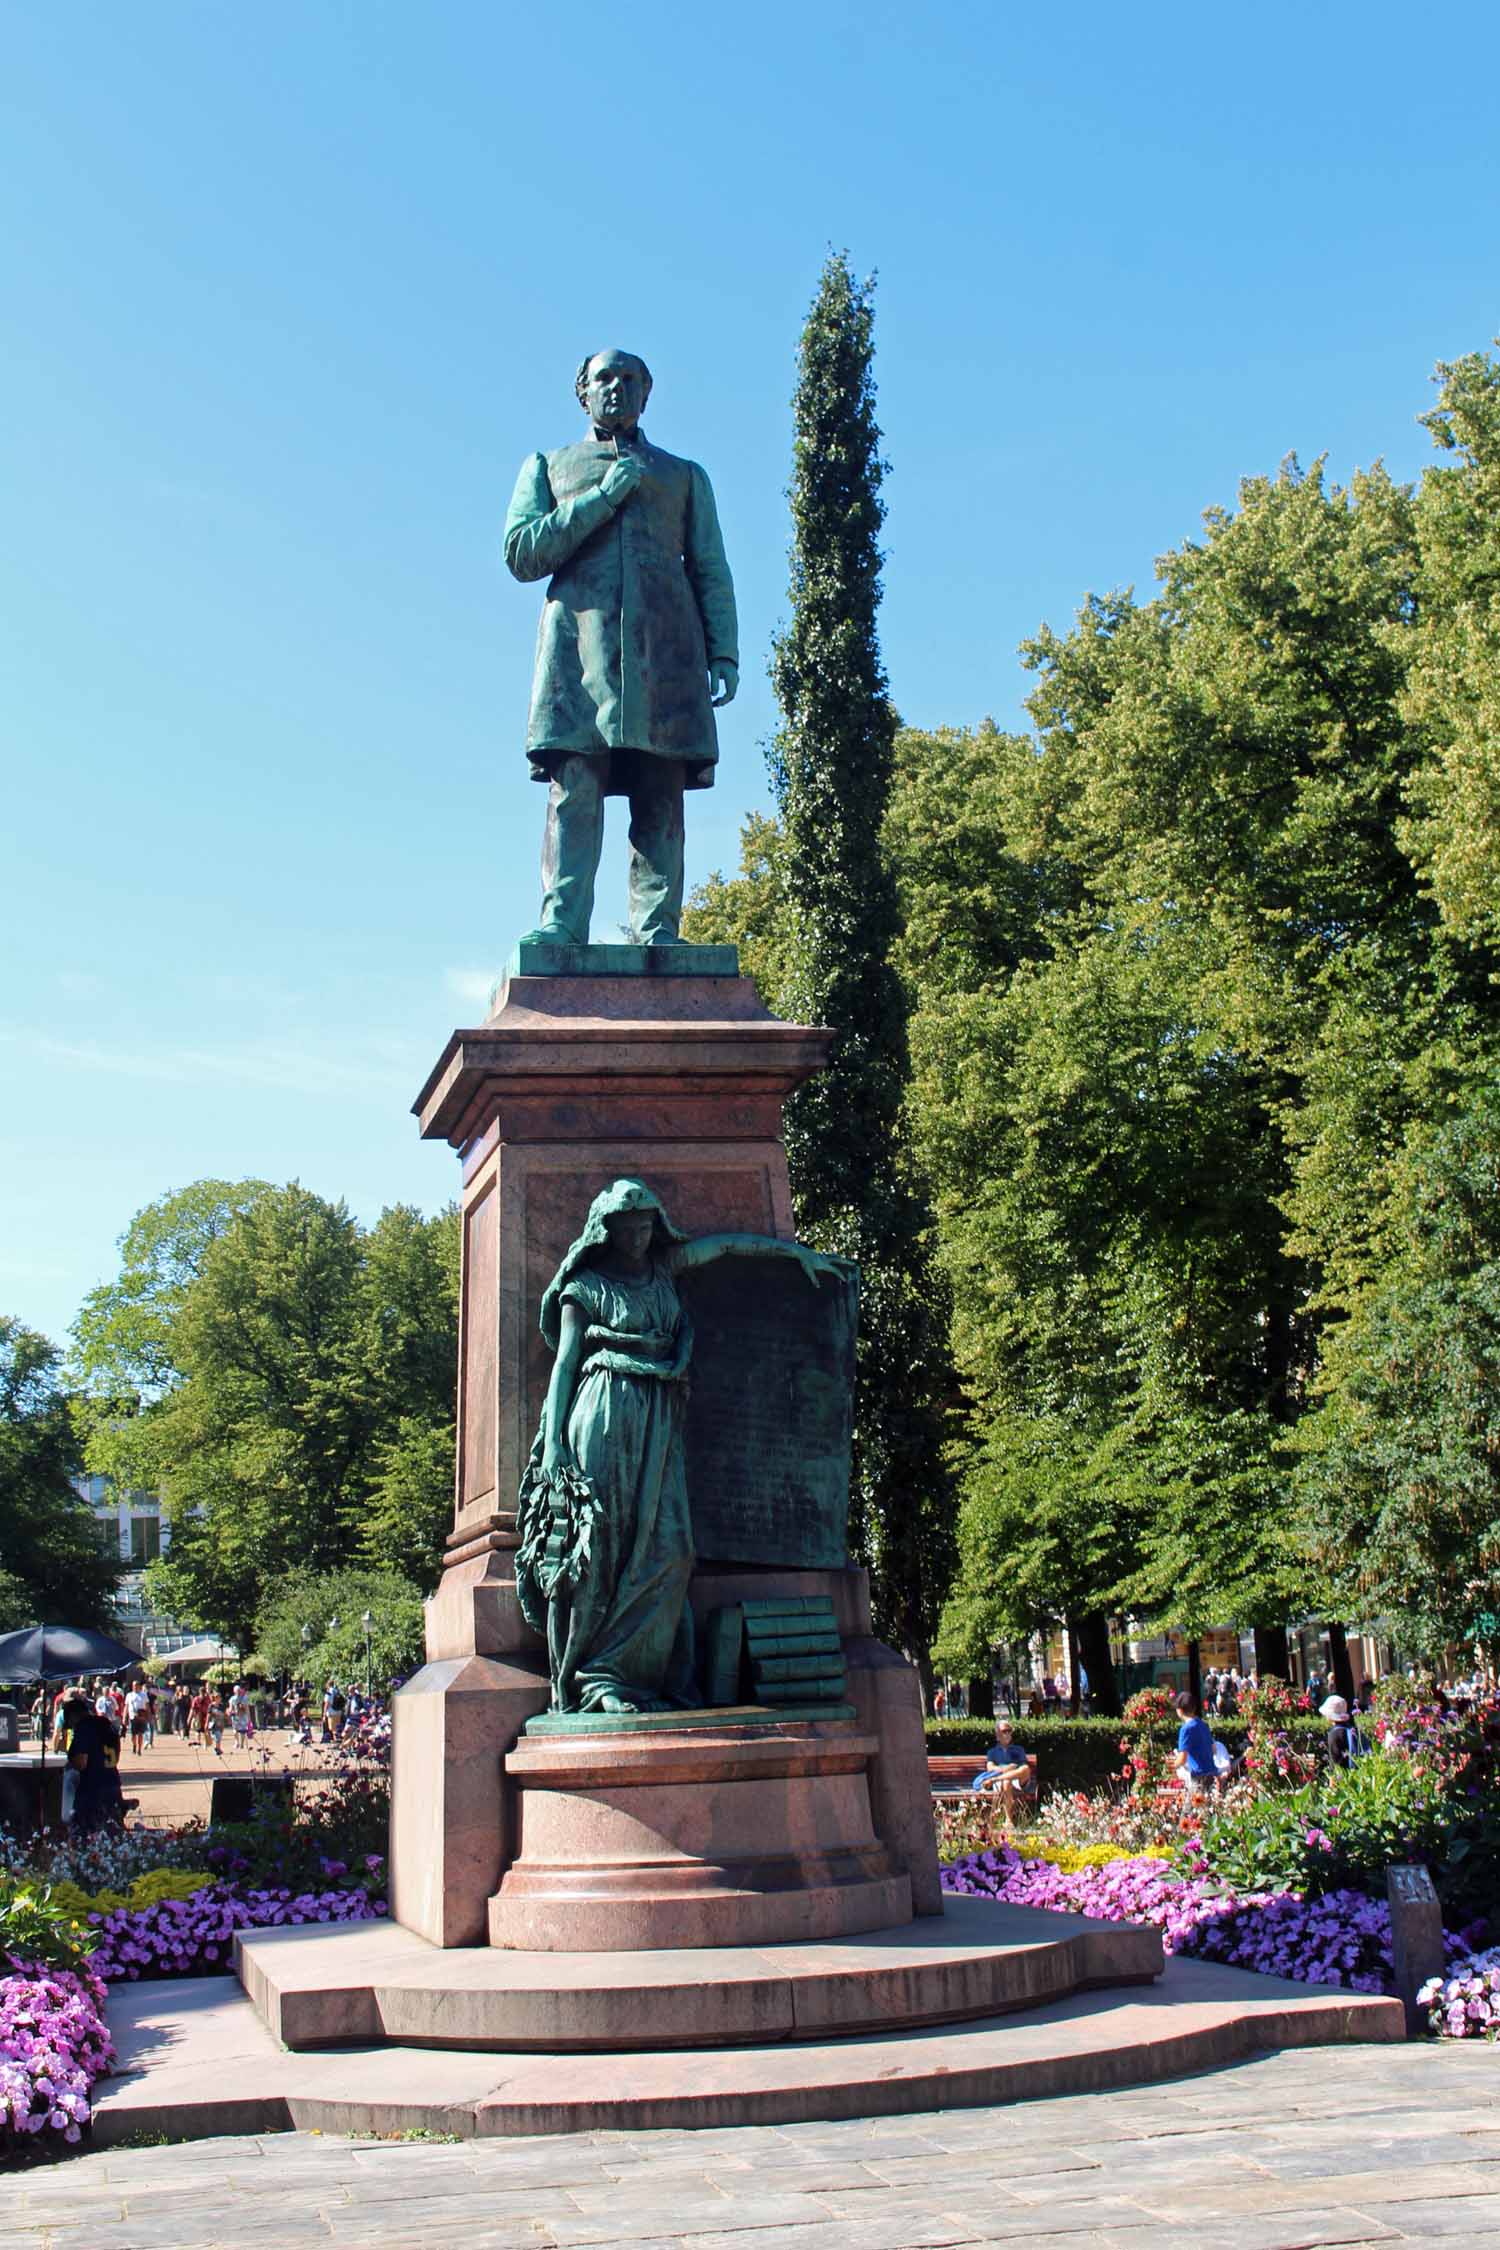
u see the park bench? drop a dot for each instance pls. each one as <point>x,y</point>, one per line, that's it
<point>951,1777</point>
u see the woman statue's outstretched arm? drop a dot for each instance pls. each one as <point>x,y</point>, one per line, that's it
<point>560,1390</point>
<point>704,1248</point>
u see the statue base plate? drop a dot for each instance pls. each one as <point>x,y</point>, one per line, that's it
<point>555,957</point>
<point>752,1717</point>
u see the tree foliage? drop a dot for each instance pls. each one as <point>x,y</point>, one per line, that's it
<point>1204,1046</point>
<point>55,1567</point>
<point>290,1384</point>
<point>310,1626</point>
<point>1401,1468</point>
<point>1453,685</point>
<point>1195,997</point>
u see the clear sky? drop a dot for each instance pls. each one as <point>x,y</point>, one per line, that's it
<point>290,289</point>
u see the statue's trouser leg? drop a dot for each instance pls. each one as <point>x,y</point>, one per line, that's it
<point>571,843</point>
<point>656,852</point>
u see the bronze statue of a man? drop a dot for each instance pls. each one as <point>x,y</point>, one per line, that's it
<point>637,647</point>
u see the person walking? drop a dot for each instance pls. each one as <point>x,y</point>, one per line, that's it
<point>137,1711</point>
<point>1194,1755</point>
<point>241,1718</point>
<point>1343,1742</point>
<point>216,1723</point>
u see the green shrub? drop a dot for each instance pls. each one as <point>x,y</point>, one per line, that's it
<point>1269,1844</point>
<point>1085,1753</point>
<point>36,1927</point>
<point>1347,1828</point>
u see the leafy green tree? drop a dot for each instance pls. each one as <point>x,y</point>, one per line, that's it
<point>409,1322</point>
<point>409,1510</point>
<point>123,1336</point>
<point>1401,1468</point>
<point>750,909</point>
<point>1453,688</point>
<point>310,1626</point>
<point>1122,952</point>
<point>831,768</point>
<point>57,1568</point>
<point>285,1380</point>
<point>1041,1531</point>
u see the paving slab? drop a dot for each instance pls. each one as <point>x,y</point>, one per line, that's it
<point>1141,2187</point>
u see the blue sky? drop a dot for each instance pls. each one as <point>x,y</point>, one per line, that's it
<point>291,289</point>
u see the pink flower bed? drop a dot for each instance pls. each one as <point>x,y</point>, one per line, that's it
<point>188,1937</point>
<point>1465,2005</point>
<point>53,2044</point>
<point>1342,1938</point>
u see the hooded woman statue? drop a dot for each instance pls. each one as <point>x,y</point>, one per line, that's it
<point>606,1536</point>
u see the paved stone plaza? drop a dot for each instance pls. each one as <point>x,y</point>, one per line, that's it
<point>1336,2145</point>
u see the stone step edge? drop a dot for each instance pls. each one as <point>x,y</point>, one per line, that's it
<point>1076,2067</point>
<point>1015,1980</point>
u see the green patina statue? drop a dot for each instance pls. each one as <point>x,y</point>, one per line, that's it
<point>606,1539</point>
<point>638,645</point>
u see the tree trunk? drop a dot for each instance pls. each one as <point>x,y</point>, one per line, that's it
<point>1093,1650</point>
<point>1074,1704</point>
<point>1338,1661</point>
<point>1270,1652</point>
<point>1195,1672</point>
<point>981,1697</point>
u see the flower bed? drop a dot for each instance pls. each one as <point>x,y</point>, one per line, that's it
<point>189,1937</point>
<point>53,2044</point>
<point>1343,1938</point>
<point>78,1914</point>
<point>1465,2005</point>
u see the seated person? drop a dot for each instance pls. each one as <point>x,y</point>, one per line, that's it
<point>1007,1768</point>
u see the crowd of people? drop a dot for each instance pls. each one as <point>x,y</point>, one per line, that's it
<point>94,1726</point>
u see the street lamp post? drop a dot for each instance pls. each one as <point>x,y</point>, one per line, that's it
<point>367,1621</point>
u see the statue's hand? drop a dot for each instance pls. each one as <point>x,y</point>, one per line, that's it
<point>812,1265</point>
<point>555,1456</point>
<point>723,682</point>
<point>621,478</point>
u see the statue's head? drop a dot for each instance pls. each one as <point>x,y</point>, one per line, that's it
<point>628,1215</point>
<point>613,388</point>
<point>628,1201</point>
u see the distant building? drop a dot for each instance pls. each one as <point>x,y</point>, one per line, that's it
<point>132,1526</point>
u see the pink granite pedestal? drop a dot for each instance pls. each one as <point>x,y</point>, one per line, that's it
<point>745,1832</point>
<point>574,1080</point>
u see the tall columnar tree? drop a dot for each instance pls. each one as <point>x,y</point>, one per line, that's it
<point>831,768</point>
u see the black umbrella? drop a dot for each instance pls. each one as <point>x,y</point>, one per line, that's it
<point>59,1652</point>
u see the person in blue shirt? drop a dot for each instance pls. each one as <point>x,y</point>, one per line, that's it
<point>1007,1770</point>
<point>1195,1748</point>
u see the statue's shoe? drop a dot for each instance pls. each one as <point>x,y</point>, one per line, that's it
<point>549,933</point>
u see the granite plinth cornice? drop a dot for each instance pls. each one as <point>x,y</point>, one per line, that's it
<point>583,1046</point>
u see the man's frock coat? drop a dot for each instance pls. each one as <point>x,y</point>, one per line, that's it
<point>640,603</point>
